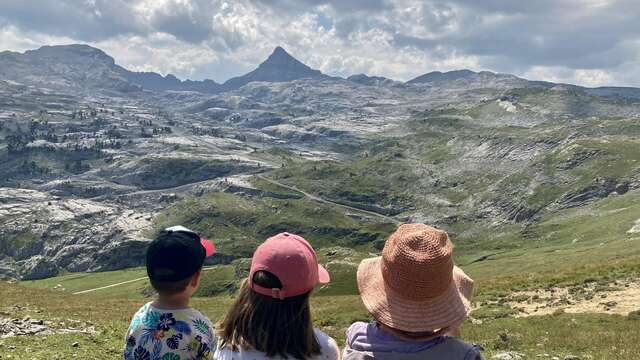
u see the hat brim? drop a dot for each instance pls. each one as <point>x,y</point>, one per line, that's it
<point>448,310</point>
<point>209,247</point>
<point>323,275</point>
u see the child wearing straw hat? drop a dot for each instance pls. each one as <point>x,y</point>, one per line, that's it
<point>417,297</point>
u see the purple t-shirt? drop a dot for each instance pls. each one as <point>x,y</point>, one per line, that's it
<point>369,337</point>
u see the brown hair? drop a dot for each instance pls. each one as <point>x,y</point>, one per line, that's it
<point>269,325</point>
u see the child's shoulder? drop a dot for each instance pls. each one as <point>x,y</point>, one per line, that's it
<point>142,310</point>
<point>141,313</point>
<point>197,314</point>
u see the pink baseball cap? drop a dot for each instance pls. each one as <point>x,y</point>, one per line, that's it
<point>293,261</point>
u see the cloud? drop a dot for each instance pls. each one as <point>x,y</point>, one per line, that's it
<point>589,42</point>
<point>78,19</point>
<point>160,52</point>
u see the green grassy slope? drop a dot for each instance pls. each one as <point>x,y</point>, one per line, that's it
<point>238,224</point>
<point>109,312</point>
<point>604,252</point>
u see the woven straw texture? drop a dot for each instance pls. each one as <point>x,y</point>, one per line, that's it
<point>414,286</point>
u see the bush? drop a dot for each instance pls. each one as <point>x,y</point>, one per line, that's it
<point>634,315</point>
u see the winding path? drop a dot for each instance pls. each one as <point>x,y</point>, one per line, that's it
<point>325,201</point>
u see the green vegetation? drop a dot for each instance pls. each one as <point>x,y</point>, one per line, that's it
<point>11,243</point>
<point>547,256</point>
<point>366,181</point>
<point>164,172</point>
<point>334,310</point>
<point>238,224</point>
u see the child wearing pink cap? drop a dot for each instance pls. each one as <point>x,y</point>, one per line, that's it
<point>271,317</point>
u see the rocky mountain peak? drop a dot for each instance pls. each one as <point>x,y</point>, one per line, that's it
<point>280,57</point>
<point>280,66</point>
<point>280,51</point>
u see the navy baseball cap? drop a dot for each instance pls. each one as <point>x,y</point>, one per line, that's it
<point>176,254</point>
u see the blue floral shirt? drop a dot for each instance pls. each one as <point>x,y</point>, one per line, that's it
<point>157,334</point>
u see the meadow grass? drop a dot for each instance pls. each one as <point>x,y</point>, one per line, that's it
<point>566,247</point>
<point>599,336</point>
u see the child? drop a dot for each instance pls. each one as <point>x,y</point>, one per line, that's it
<point>167,328</point>
<point>271,318</point>
<point>416,296</point>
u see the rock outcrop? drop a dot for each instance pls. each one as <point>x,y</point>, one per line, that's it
<point>67,234</point>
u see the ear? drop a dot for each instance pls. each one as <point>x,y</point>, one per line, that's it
<point>195,280</point>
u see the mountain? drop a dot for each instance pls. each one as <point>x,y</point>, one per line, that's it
<point>490,79</point>
<point>538,185</point>
<point>440,76</point>
<point>79,67</point>
<point>71,67</point>
<point>280,66</point>
<point>609,91</point>
<point>157,82</point>
<point>364,79</point>
<point>104,157</point>
<point>470,79</point>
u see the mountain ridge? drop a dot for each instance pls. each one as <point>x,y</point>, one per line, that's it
<point>81,66</point>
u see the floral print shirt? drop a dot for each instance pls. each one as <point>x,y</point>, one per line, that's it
<point>157,334</point>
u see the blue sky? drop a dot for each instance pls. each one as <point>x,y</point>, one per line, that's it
<point>586,42</point>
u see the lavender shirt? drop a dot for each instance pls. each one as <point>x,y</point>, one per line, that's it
<point>369,338</point>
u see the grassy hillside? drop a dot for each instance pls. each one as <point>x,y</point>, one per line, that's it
<point>239,223</point>
<point>502,263</point>
<point>109,311</point>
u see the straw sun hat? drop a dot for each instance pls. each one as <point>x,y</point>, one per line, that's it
<point>414,286</point>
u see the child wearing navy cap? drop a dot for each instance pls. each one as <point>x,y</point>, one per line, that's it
<point>167,328</point>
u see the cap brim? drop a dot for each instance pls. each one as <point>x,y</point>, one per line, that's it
<point>323,275</point>
<point>208,246</point>
<point>388,307</point>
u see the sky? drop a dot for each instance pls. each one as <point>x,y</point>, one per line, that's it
<point>584,42</point>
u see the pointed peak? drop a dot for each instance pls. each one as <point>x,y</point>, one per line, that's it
<point>280,49</point>
<point>280,66</point>
<point>279,54</point>
<point>281,59</point>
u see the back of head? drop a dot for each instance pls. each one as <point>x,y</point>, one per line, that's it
<point>274,326</point>
<point>174,257</point>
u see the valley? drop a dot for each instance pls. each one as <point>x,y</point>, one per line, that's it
<point>537,183</point>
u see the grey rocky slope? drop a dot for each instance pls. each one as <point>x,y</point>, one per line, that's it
<point>80,67</point>
<point>73,67</point>
<point>89,158</point>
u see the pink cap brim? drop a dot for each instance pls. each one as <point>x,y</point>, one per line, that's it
<point>208,246</point>
<point>323,275</point>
